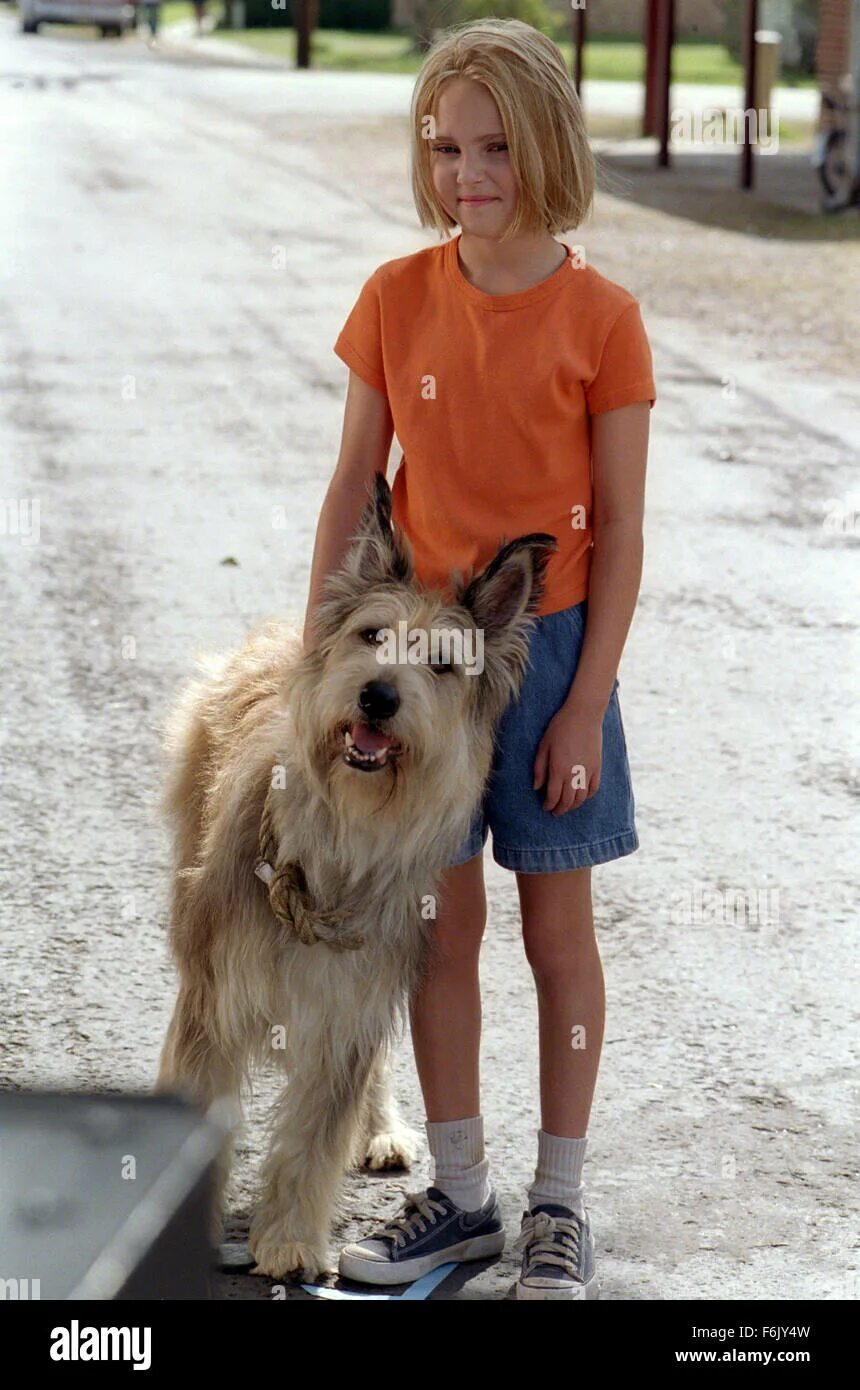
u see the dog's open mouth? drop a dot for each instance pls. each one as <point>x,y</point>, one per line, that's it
<point>369,748</point>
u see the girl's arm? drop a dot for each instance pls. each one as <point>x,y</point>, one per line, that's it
<point>619,449</point>
<point>368,430</point>
<point>574,737</point>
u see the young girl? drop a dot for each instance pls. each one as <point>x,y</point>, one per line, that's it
<point>519,382</point>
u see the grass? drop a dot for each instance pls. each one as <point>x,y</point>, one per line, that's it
<point>607,60</point>
<point>172,14</point>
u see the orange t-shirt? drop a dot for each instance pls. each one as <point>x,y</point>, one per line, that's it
<point>491,397</point>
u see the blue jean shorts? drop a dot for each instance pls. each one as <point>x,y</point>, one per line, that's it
<point>526,838</point>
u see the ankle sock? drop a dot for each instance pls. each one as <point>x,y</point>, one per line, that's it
<point>558,1175</point>
<point>460,1168</point>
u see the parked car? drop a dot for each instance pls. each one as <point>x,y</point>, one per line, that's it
<point>113,17</point>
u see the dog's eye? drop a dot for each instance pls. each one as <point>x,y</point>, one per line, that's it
<point>370,635</point>
<point>440,667</point>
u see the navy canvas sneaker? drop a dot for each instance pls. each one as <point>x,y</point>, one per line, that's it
<point>428,1231</point>
<point>558,1254</point>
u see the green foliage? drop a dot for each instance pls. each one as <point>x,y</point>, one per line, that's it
<point>367,15</point>
<point>534,12</point>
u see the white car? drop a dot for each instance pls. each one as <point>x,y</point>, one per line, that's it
<point>113,17</point>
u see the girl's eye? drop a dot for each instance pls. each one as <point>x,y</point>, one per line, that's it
<point>444,149</point>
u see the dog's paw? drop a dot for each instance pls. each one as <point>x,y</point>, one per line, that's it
<point>395,1148</point>
<point>280,1258</point>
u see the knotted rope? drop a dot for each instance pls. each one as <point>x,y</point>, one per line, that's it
<point>289,898</point>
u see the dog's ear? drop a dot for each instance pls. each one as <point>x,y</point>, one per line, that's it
<point>503,601</point>
<point>379,551</point>
<point>510,589</point>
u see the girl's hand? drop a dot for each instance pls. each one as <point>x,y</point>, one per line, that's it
<point>568,759</point>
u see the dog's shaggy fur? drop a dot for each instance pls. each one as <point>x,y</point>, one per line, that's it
<point>366,840</point>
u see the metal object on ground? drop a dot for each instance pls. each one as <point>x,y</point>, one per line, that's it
<point>105,1196</point>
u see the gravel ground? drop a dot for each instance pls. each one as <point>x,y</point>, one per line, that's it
<point>164,388</point>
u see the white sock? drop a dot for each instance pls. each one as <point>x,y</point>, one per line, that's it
<point>460,1168</point>
<point>558,1176</point>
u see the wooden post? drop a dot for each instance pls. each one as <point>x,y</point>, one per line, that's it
<point>665,42</point>
<point>750,27</point>
<point>307,15</point>
<point>578,21</point>
<point>652,74</point>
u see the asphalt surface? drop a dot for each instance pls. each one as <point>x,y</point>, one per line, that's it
<point>182,242</point>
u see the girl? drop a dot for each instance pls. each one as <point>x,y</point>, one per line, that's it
<point>519,382</point>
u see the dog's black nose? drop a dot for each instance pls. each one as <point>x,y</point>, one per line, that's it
<point>379,700</point>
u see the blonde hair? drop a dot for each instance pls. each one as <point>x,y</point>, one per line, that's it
<point>526,75</point>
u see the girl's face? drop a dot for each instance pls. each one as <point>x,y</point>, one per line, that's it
<point>469,159</point>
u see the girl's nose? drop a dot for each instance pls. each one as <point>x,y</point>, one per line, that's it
<point>469,169</point>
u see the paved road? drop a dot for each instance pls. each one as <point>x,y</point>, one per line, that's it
<point>165,387</point>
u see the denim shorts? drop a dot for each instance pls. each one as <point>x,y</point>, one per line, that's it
<point>526,838</point>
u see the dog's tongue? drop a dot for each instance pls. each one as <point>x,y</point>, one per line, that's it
<point>369,740</point>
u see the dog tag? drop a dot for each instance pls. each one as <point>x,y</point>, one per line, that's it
<point>265,872</point>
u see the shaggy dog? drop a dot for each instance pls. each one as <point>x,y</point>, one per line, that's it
<point>316,799</point>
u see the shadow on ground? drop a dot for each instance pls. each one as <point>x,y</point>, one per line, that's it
<point>702,186</point>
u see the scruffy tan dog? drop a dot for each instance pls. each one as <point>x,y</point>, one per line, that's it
<point>316,799</point>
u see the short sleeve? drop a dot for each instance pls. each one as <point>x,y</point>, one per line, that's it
<point>625,373</point>
<point>359,343</point>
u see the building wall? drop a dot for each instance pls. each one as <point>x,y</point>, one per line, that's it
<point>832,53</point>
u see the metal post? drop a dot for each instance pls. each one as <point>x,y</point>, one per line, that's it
<point>750,27</point>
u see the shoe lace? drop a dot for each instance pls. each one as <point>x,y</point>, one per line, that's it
<point>418,1209</point>
<point>551,1240</point>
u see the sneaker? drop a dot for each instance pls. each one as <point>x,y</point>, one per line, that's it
<point>558,1254</point>
<point>428,1231</point>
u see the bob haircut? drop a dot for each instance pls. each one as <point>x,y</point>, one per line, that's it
<point>526,75</point>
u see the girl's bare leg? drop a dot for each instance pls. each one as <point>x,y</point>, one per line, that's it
<point>560,945</point>
<point>446,1012</point>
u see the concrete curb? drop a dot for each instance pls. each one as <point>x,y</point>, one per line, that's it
<point>182,37</point>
